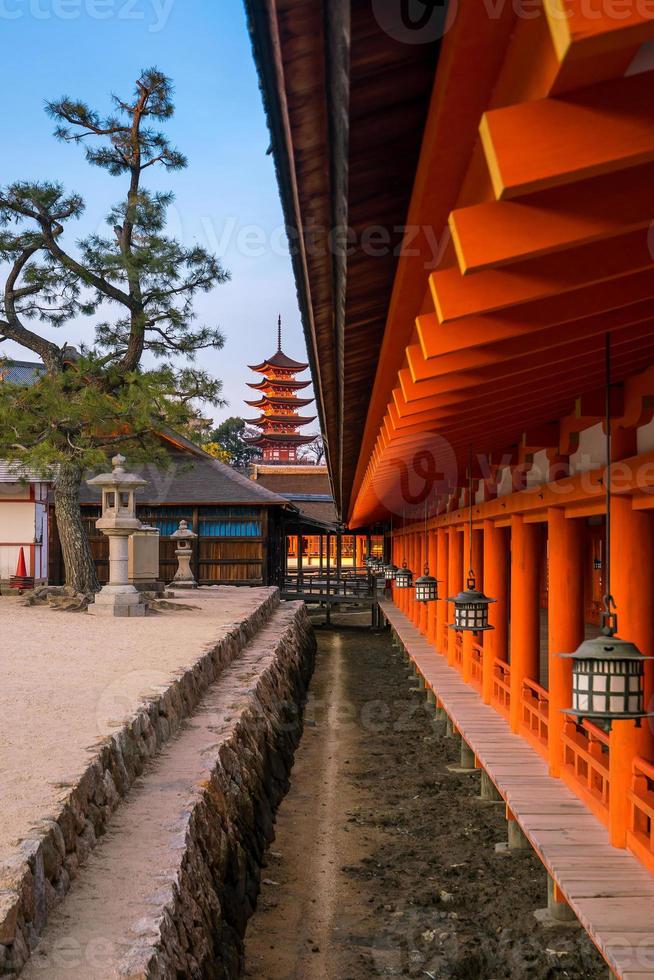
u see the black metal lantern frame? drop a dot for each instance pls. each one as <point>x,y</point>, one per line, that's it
<point>471,609</point>
<point>471,605</point>
<point>427,588</point>
<point>390,572</point>
<point>608,673</point>
<point>404,577</point>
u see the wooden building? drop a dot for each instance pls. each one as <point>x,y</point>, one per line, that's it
<point>23,501</point>
<point>239,523</point>
<point>501,312</point>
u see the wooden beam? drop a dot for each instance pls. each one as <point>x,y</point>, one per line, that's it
<point>456,296</point>
<point>436,338</point>
<point>550,142</point>
<point>587,28</point>
<point>501,233</point>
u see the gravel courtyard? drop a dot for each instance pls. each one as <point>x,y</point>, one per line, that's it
<point>69,680</point>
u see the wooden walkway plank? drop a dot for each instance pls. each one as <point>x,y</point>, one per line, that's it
<point>611,893</point>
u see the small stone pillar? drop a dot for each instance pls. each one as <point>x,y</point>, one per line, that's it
<point>117,522</point>
<point>516,839</point>
<point>558,912</point>
<point>488,790</point>
<point>143,554</point>
<point>184,538</point>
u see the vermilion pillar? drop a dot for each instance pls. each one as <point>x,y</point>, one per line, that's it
<point>496,558</point>
<point>422,606</point>
<point>414,558</point>
<point>454,583</point>
<point>443,577</point>
<point>565,615</point>
<point>432,561</point>
<point>632,584</point>
<point>525,610</point>
<point>468,638</point>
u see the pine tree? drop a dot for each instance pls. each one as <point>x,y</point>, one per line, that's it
<point>138,285</point>
<point>231,436</point>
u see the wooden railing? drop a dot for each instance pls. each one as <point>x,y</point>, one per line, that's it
<point>534,721</point>
<point>502,686</point>
<point>586,765</point>
<point>640,837</point>
<point>477,666</point>
<point>357,583</point>
<point>444,638</point>
<point>458,650</point>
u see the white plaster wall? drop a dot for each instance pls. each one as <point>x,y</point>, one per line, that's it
<point>17,527</point>
<point>591,452</point>
<point>9,560</point>
<point>17,521</point>
<point>540,469</point>
<point>14,491</point>
<point>505,484</point>
<point>645,438</point>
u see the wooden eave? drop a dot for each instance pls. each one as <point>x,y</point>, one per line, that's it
<point>346,105</point>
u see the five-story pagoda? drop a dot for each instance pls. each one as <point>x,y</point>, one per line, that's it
<point>279,420</point>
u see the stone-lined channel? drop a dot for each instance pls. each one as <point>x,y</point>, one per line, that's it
<point>384,861</point>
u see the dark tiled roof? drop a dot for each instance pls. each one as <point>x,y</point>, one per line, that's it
<point>286,385</point>
<point>20,372</point>
<point>195,479</point>
<point>302,483</point>
<point>282,419</point>
<point>315,511</point>
<point>280,360</point>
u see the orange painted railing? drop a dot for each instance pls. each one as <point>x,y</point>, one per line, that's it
<point>586,765</point>
<point>640,837</point>
<point>445,639</point>
<point>458,650</point>
<point>535,705</point>
<point>502,686</point>
<point>477,666</point>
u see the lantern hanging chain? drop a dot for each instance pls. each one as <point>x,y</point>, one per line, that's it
<point>609,618</point>
<point>426,538</point>
<point>471,571</point>
<point>403,533</point>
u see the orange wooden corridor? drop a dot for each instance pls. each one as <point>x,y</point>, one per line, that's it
<point>611,894</point>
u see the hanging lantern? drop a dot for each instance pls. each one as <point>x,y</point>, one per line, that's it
<point>471,609</point>
<point>390,572</point>
<point>597,564</point>
<point>427,588</point>
<point>471,605</point>
<point>608,680</point>
<point>608,673</point>
<point>404,577</point>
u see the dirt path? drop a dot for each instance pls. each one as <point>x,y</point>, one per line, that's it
<point>384,862</point>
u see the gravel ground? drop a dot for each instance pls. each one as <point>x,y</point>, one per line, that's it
<point>68,680</point>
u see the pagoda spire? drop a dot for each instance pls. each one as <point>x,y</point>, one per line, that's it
<point>279,333</point>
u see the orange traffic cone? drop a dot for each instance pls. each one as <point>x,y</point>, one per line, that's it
<point>21,567</point>
<point>21,580</point>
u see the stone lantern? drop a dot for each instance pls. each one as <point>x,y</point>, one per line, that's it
<point>184,538</point>
<point>118,522</point>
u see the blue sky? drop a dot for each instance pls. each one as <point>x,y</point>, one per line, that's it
<point>227,199</point>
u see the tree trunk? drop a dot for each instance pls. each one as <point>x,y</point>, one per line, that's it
<point>75,545</point>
